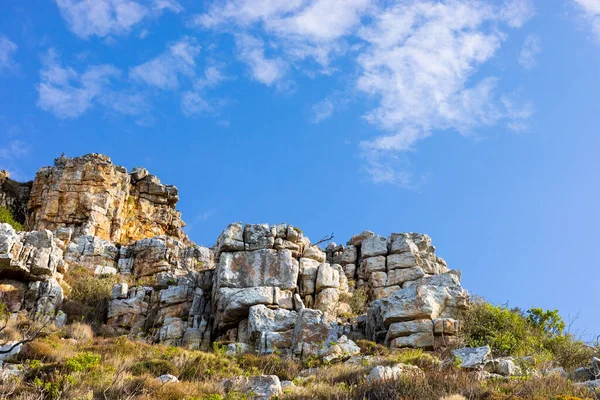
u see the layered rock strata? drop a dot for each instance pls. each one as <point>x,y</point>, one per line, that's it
<point>95,197</point>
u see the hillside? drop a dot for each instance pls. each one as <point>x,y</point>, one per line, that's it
<point>104,296</point>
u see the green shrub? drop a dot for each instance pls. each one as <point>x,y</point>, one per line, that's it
<point>209,365</point>
<point>536,332</point>
<point>82,362</point>
<point>358,302</point>
<point>368,348</point>
<point>284,367</point>
<point>505,330</point>
<point>153,367</point>
<point>89,295</point>
<point>7,217</point>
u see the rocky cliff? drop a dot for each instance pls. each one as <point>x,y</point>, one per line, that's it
<point>264,287</point>
<point>95,197</point>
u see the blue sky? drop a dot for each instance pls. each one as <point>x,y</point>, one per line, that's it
<point>475,122</point>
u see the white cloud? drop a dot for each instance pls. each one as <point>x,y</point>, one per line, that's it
<point>590,10</point>
<point>199,219</point>
<point>303,29</point>
<point>165,70</point>
<point>417,61</point>
<point>322,110</point>
<point>192,103</point>
<point>265,70</point>
<point>110,17</point>
<point>531,48</point>
<point>68,93</point>
<point>10,153</point>
<point>7,52</point>
<point>420,66</point>
<point>516,12</point>
<point>14,149</point>
<point>329,105</point>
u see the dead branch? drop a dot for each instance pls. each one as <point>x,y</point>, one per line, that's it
<point>324,239</point>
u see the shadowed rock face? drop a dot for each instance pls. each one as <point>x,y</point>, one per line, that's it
<point>263,286</point>
<point>14,196</point>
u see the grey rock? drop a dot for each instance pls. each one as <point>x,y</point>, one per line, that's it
<point>119,291</point>
<point>472,357</point>
<point>262,387</point>
<point>503,366</point>
<point>315,253</point>
<point>373,264</point>
<point>258,268</point>
<point>327,277</point>
<point>167,378</point>
<point>374,246</point>
<point>263,319</point>
<point>400,276</point>
<point>258,236</point>
<point>357,240</point>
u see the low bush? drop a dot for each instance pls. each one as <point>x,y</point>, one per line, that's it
<point>368,348</point>
<point>7,217</point>
<point>416,357</point>
<point>284,367</point>
<point>536,332</point>
<point>82,362</point>
<point>79,331</point>
<point>89,296</point>
<point>154,368</point>
<point>359,300</point>
<point>206,366</point>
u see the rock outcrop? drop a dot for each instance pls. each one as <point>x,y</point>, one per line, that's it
<point>97,198</point>
<point>264,287</point>
<point>30,263</point>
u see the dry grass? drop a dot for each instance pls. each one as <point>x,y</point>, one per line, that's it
<point>119,368</point>
<point>79,331</point>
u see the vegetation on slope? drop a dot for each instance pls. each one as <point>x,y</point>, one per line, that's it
<point>71,363</point>
<point>7,217</point>
<point>536,332</point>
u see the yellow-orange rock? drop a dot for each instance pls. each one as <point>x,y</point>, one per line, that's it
<point>95,197</point>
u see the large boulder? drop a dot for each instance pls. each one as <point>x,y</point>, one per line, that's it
<point>262,267</point>
<point>263,319</point>
<point>33,256</point>
<point>472,357</point>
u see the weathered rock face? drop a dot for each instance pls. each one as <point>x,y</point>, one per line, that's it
<point>30,263</point>
<point>264,287</point>
<point>97,198</point>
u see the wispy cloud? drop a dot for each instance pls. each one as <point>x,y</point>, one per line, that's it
<point>325,108</point>
<point>251,51</point>
<point>68,93</point>
<point>590,9</point>
<point>195,102</point>
<point>111,17</point>
<point>10,153</point>
<point>301,29</point>
<point>7,53</point>
<point>14,149</point>
<point>417,61</point>
<point>530,50</point>
<point>421,71</point>
<point>165,70</point>
<point>199,219</point>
